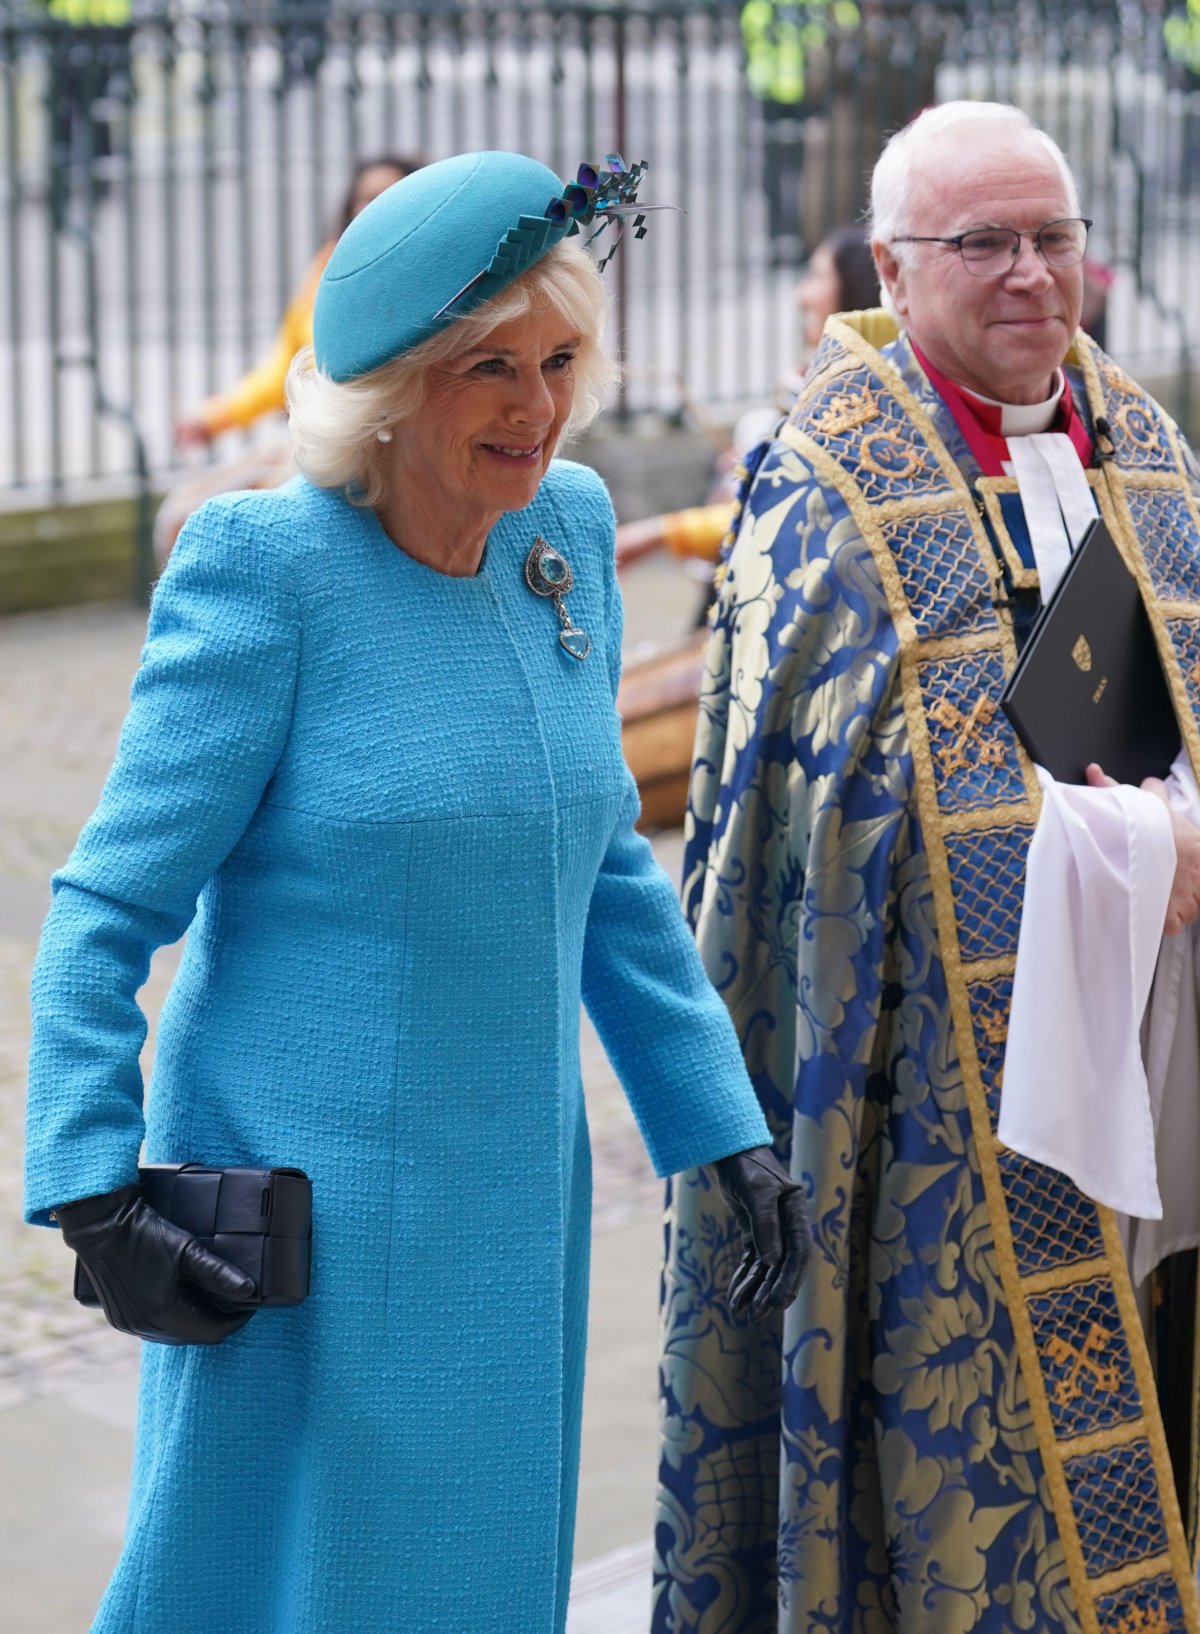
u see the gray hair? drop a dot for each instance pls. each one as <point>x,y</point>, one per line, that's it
<point>335,425</point>
<point>891,181</point>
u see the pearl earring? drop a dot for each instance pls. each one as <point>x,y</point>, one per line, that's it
<point>384,436</point>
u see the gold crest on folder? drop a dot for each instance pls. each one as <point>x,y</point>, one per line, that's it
<point>1082,654</point>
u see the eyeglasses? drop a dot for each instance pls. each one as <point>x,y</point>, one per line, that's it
<point>989,251</point>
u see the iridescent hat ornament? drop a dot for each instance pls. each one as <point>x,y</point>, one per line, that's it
<point>548,573</point>
<point>436,245</point>
<point>600,196</point>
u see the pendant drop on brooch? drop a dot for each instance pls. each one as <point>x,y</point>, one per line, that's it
<point>548,573</point>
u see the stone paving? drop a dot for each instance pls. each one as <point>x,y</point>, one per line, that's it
<point>64,683</point>
<point>62,696</point>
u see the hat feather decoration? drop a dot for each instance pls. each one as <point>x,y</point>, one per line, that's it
<point>607,195</point>
<point>447,238</point>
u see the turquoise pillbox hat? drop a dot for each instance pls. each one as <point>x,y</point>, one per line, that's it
<point>428,250</point>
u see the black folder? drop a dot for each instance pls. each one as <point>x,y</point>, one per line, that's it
<point>1089,684</point>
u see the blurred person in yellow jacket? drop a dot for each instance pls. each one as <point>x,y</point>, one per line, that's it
<point>260,392</point>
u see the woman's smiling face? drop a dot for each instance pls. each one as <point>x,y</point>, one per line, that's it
<point>490,422</point>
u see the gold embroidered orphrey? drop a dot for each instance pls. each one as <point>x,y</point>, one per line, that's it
<point>1083,1356</point>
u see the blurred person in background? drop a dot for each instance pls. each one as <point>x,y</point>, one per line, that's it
<point>1181,36</point>
<point>660,690</point>
<point>261,390</point>
<point>372,762</point>
<point>786,44</point>
<point>840,277</point>
<point>1098,280</point>
<point>89,64</point>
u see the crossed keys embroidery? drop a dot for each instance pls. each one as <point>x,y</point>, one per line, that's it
<point>1081,1359</point>
<point>970,728</point>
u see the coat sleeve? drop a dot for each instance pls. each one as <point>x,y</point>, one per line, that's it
<point>665,1029</point>
<point>210,711</point>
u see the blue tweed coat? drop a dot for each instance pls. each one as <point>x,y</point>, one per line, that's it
<point>405,815</point>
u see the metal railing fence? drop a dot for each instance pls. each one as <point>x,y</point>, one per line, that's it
<point>165,182</point>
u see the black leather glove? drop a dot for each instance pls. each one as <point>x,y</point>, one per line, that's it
<point>153,1279</point>
<point>772,1211</point>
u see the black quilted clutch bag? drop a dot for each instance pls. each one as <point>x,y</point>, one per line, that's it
<point>258,1219</point>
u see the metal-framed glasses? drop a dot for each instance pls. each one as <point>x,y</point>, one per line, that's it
<point>989,251</point>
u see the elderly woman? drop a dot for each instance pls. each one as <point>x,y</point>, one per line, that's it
<point>374,734</point>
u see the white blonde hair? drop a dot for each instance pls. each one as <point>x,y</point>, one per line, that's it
<point>335,425</point>
<point>892,179</point>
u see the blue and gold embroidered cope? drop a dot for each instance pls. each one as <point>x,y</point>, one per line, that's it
<point>967,1435</point>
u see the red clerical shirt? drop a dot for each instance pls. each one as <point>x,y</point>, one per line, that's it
<point>980,422</point>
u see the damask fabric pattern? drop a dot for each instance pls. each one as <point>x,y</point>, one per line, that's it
<point>954,1428</point>
<point>404,810</point>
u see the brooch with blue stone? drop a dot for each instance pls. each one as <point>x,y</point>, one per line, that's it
<point>548,573</point>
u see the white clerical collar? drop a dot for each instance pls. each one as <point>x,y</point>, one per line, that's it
<point>1055,496</point>
<point>1023,419</point>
